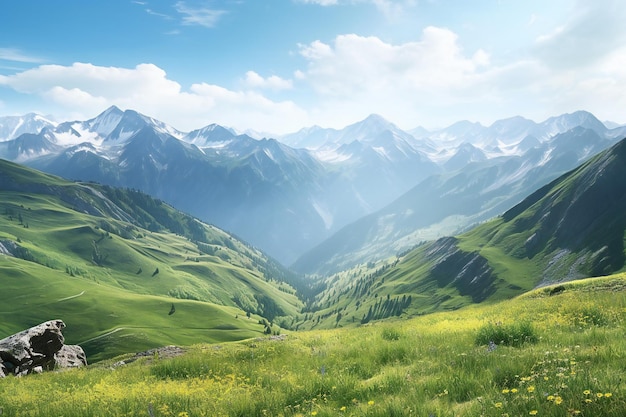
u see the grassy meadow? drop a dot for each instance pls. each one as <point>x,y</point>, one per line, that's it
<point>538,354</point>
<point>114,282</point>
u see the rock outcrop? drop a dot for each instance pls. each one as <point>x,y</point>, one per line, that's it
<point>40,348</point>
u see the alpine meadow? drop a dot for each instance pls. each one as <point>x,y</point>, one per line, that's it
<point>207,210</point>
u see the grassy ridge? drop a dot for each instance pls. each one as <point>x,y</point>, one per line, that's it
<point>572,228</point>
<point>426,366</point>
<point>79,256</point>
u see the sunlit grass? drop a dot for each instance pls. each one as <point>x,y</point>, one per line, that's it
<point>427,366</point>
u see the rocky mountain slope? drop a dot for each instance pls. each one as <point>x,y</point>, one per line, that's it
<point>572,228</point>
<point>447,203</point>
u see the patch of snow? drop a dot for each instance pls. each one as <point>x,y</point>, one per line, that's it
<point>217,145</point>
<point>325,215</point>
<point>508,179</point>
<point>269,154</point>
<point>30,154</point>
<point>86,135</point>
<point>124,135</point>
<point>331,155</point>
<point>546,157</point>
<point>83,147</point>
<point>19,124</point>
<point>381,151</point>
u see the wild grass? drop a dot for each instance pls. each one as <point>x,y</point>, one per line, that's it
<point>99,275</point>
<point>426,366</point>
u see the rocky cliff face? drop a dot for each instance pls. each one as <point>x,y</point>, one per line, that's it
<point>40,348</point>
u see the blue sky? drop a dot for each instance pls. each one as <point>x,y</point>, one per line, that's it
<point>280,65</point>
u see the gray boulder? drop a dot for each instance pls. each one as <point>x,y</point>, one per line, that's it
<point>40,348</point>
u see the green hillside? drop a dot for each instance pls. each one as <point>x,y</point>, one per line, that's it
<point>111,263</point>
<point>572,228</point>
<point>557,356</point>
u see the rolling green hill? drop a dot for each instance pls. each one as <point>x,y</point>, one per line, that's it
<point>537,354</point>
<point>572,228</point>
<point>111,263</point>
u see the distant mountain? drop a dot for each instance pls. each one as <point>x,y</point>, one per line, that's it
<point>260,190</point>
<point>282,199</point>
<point>448,203</point>
<point>210,136</point>
<point>504,137</point>
<point>290,195</point>
<point>113,262</point>
<point>373,161</point>
<point>29,146</point>
<point>465,154</point>
<point>12,127</point>
<point>571,228</point>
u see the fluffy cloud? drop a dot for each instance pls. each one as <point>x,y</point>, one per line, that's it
<point>593,31</point>
<point>273,82</point>
<point>376,76</point>
<point>434,80</point>
<point>83,90</point>
<point>355,63</point>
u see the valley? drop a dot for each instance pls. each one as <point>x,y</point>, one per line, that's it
<point>512,241</point>
<point>382,265</point>
<point>318,200</point>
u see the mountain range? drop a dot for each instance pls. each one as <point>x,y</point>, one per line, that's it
<point>569,229</point>
<point>124,265</point>
<point>320,199</point>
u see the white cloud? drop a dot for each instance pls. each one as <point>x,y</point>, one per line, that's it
<point>273,82</point>
<point>592,31</point>
<point>83,90</point>
<point>15,55</point>
<point>367,75</point>
<point>354,64</point>
<point>198,15</point>
<point>433,81</point>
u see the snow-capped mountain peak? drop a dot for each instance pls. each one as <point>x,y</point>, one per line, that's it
<point>13,126</point>
<point>209,136</point>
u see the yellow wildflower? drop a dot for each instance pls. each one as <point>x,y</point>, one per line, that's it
<point>513,390</point>
<point>531,388</point>
<point>498,405</point>
<point>343,408</point>
<point>505,391</point>
<point>370,402</point>
<point>533,412</point>
<point>550,398</point>
<point>587,392</point>
<point>608,395</point>
<point>558,400</point>
<point>599,395</point>
<point>313,413</point>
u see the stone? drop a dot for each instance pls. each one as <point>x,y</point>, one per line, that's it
<point>40,348</point>
<point>70,356</point>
